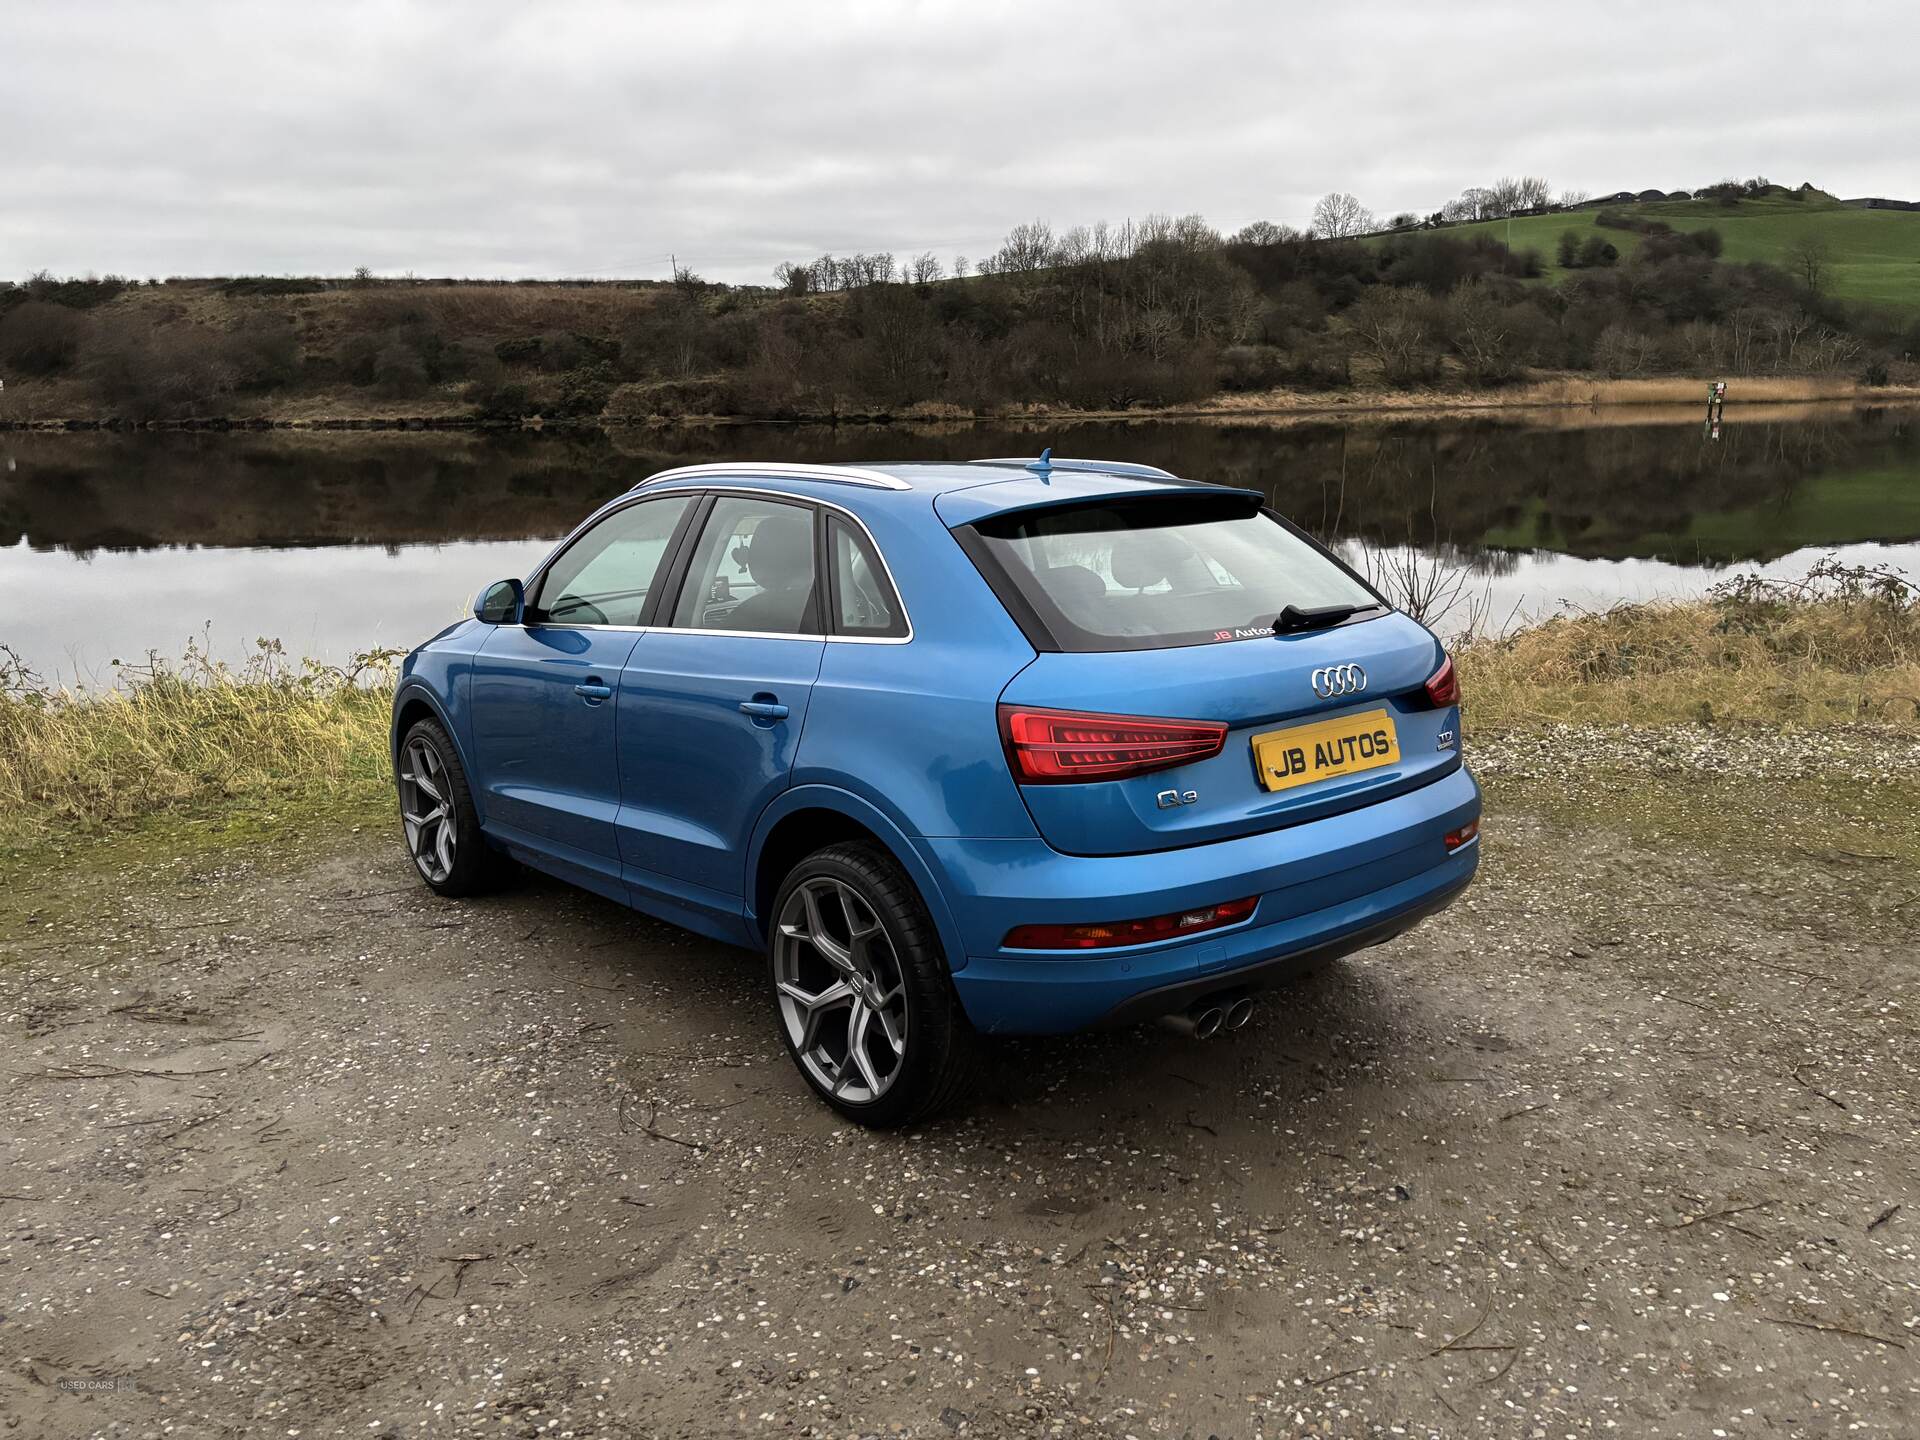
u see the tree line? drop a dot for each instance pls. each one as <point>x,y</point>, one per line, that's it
<point>1159,311</point>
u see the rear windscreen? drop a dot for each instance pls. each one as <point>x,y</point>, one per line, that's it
<point>1149,574</point>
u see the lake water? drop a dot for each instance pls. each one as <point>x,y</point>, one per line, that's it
<point>114,546</point>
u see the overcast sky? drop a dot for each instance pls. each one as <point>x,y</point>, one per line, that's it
<point>191,137</point>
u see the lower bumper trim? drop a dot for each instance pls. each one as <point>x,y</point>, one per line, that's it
<point>1151,1004</point>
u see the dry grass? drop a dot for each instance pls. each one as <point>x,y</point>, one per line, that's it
<point>1548,401</point>
<point>197,735</point>
<point>492,312</point>
<point>1806,654</point>
<point>200,739</point>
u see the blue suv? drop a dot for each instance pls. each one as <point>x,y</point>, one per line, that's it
<point>1010,746</point>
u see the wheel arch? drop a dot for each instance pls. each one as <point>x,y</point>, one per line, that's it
<point>414,702</point>
<point>812,817</point>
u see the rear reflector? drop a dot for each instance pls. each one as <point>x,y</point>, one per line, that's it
<point>1129,932</point>
<point>1443,686</point>
<point>1468,831</point>
<point>1052,747</point>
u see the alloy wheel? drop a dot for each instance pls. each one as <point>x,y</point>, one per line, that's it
<point>841,993</point>
<point>426,810</point>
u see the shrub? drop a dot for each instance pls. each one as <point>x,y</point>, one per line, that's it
<point>585,391</point>
<point>86,294</point>
<point>667,399</point>
<point>497,398</point>
<point>398,372</point>
<point>265,353</point>
<point>1252,367</point>
<point>559,351</point>
<point>467,360</point>
<point>674,337</point>
<point>597,348</point>
<point>159,374</point>
<point>522,351</point>
<point>1597,252</point>
<point>273,285</point>
<point>39,338</point>
<point>357,355</point>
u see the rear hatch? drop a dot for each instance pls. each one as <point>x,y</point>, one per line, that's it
<point>1118,595</point>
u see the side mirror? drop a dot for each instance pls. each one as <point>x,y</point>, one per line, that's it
<point>501,603</point>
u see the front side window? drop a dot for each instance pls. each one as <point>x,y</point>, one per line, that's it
<point>863,602</point>
<point>753,569</point>
<point>605,576</point>
<point>1151,574</point>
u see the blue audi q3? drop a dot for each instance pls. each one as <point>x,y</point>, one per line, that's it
<point>1002,747</point>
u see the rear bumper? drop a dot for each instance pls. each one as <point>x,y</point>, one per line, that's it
<point>1326,888</point>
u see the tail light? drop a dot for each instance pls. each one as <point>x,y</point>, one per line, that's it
<point>1129,932</point>
<point>1052,747</point>
<point>1443,686</point>
<point>1469,831</point>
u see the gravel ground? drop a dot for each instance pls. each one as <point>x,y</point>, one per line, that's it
<point>1625,1141</point>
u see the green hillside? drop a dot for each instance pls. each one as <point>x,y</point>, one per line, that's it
<point>1875,254</point>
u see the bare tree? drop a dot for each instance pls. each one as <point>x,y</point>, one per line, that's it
<point>1571,198</point>
<point>1433,585</point>
<point>1391,326</point>
<point>1510,195</point>
<point>925,268</point>
<point>1809,258</point>
<point>1028,248</point>
<point>1263,232</point>
<point>1473,203</point>
<point>1340,216</point>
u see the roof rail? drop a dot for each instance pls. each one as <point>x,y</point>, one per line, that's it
<point>751,470</point>
<point>1106,467</point>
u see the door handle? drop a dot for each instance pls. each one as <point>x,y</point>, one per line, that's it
<point>763,709</point>
<point>593,692</point>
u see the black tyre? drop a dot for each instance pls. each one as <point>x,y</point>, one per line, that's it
<point>437,815</point>
<point>861,990</point>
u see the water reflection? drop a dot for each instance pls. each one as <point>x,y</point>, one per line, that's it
<point>113,545</point>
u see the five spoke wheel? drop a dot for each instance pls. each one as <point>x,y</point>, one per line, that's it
<point>426,809</point>
<point>841,991</point>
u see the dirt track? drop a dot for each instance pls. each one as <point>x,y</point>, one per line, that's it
<point>1616,1144</point>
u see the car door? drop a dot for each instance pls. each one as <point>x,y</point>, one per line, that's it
<point>543,693</point>
<point>713,700</point>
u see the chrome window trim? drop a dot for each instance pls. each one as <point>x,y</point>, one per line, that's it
<point>787,495</point>
<point>845,474</point>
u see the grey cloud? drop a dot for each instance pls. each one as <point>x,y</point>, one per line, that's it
<point>543,139</point>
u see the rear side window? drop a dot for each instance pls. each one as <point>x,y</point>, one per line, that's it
<point>1153,574</point>
<point>863,602</point>
<point>752,571</point>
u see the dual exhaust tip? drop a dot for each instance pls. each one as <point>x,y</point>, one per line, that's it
<point>1207,1018</point>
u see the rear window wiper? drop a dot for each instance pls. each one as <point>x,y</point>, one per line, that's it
<point>1294,619</point>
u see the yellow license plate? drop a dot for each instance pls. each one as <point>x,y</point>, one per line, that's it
<point>1326,749</point>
